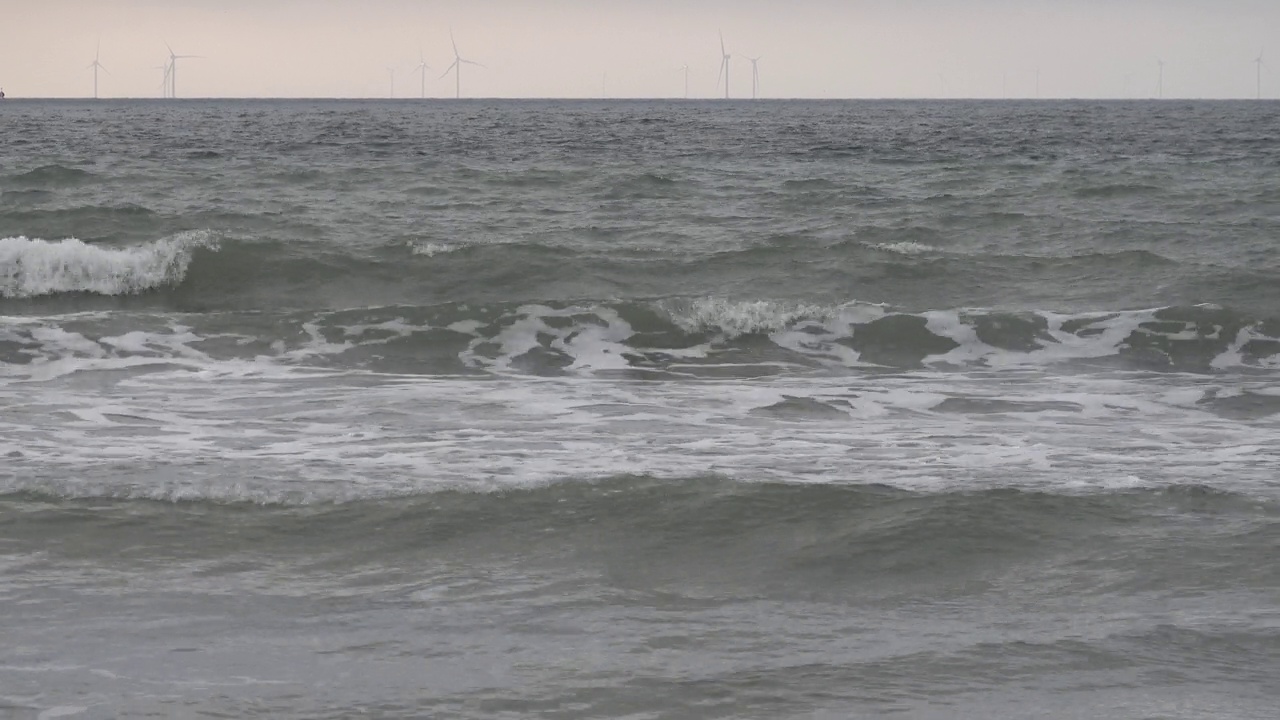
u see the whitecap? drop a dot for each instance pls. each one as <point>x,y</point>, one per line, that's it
<point>906,248</point>
<point>431,249</point>
<point>31,267</point>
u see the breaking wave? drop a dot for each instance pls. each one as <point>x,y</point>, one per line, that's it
<point>698,337</point>
<point>31,267</point>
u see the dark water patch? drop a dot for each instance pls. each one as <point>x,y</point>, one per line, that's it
<point>898,341</point>
<point>1116,190</point>
<point>969,405</point>
<point>1183,338</point>
<point>1016,332</point>
<point>809,185</point>
<point>49,177</point>
<point>799,408</point>
<point>19,198</point>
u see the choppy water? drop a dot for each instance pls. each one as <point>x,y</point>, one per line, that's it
<point>512,409</point>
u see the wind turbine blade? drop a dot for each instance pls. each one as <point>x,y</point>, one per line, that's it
<point>472,62</point>
<point>722,50</point>
<point>455,43</point>
<point>449,69</point>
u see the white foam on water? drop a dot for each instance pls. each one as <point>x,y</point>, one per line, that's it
<point>431,249</point>
<point>244,434</point>
<point>741,317</point>
<point>906,248</point>
<point>588,347</point>
<point>34,267</point>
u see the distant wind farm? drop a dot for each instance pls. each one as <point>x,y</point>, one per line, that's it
<point>609,85</point>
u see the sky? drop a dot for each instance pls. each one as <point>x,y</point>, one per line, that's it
<point>635,48</point>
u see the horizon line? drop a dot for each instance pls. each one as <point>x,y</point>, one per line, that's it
<point>637,98</point>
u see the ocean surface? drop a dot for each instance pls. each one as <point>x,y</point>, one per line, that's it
<point>499,409</point>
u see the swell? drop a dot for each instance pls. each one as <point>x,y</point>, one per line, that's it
<point>48,177</point>
<point>264,273</point>
<point>776,538</point>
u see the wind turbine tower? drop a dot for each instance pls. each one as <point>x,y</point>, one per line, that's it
<point>755,78</point>
<point>456,67</point>
<point>1259,62</point>
<point>173,70</point>
<point>96,66</point>
<point>392,72</point>
<point>422,68</point>
<point>724,66</point>
<point>164,84</point>
<point>685,70</point>
<point>1160,82</point>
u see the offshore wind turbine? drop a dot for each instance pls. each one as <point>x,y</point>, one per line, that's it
<point>96,66</point>
<point>393,82</point>
<point>422,68</point>
<point>685,70</point>
<point>755,77</point>
<point>173,70</point>
<point>724,67</point>
<point>1259,63</point>
<point>456,67</point>
<point>1160,82</point>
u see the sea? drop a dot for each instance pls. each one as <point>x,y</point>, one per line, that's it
<point>639,409</point>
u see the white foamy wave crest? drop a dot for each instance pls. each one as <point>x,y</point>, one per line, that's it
<point>906,248</point>
<point>31,267</point>
<point>431,249</point>
<point>733,317</point>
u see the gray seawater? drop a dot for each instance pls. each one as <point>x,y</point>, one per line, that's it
<point>639,409</point>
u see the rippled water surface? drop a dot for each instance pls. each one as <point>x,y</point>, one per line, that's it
<point>639,409</point>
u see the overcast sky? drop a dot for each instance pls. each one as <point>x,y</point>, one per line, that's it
<point>633,48</point>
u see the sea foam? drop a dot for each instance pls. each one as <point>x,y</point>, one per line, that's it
<point>31,267</point>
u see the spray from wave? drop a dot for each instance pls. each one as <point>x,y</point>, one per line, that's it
<point>31,267</point>
<point>733,318</point>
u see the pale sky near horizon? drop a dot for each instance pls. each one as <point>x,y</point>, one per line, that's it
<point>633,48</point>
